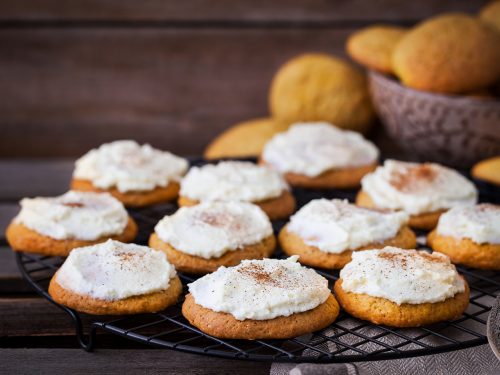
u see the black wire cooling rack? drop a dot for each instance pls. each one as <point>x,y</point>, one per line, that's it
<point>347,339</point>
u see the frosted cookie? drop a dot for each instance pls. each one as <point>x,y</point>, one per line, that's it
<point>114,278</point>
<point>260,299</point>
<point>401,288</point>
<point>238,181</point>
<point>424,191</point>
<point>324,233</point>
<point>54,226</point>
<point>134,174</point>
<point>201,238</point>
<point>320,155</point>
<point>469,235</point>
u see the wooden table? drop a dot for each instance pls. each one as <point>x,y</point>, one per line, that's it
<point>36,336</point>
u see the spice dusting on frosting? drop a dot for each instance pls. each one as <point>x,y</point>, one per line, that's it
<point>261,289</point>
<point>73,204</point>
<point>210,229</point>
<point>402,276</point>
<point>414,178</point>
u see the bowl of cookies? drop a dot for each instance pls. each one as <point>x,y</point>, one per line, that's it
<point>435,86</point>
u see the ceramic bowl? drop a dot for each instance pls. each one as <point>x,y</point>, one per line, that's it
<point>452,130</point>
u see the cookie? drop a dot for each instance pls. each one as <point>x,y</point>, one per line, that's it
<point>469,235</point>
<point>246,139</point>
<point>320,87</point>
<point>488,170</point>
<point>133,198</point>
<point>373,46</point>
<point>21,238</point>
<point>423,190</point>
<point>345,178</point>
<point>114,278</point>
<point>382,311</point>
<point>55,225</point>
<point>201,238</point>
<point>292,244</point>
<point>238,181</point>
<point>137,175</point>
<point>320,156</point>
<point>152,302</point>
<point>260,299</point>
<point>434,55</point>
<point>401,288</point>
<point>490,14</point>
<point>225,326</point>
<point>425,221</point>
<point>197,265</point>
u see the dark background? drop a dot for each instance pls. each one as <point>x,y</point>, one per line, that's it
<point>75,73</point>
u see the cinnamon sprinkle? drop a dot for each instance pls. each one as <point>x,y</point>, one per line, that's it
<point>413,177</point>
<point>73,204</point>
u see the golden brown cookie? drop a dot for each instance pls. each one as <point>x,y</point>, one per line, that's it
<point>383,311</point>
<point>21,238</point>
<point>488,170</point>
<point>465,251</point>
<point>275,208</point>
<point>226,326</point>
<point>425,221</point>
<point>133,198</point>
<point>146,303</point>
<point>319,87</point>
<point>246,139</point>
<point>373,46</point>
<point>345,178</point>
<point>435,55</point>
<point>490,14</point>
<point>293,244</point>
<point>193,264</point>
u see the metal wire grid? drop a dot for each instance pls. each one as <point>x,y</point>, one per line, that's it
<point>348,339</point>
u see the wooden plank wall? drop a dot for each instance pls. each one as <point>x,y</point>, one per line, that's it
<point>76,73</point>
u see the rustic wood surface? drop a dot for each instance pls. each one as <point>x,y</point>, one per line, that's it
<point>77,73</point>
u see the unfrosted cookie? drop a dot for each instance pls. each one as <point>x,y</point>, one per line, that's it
<point>449,53</point>
<point>201,238</point>
<point>114,278</point>
<point>260,299</point>
<point>490,14</point>
<point>54,226</point>
<point>373,46</point>
<point>246,139</point>
<point>402,288</point>
<point>469,235</point>
<point>136,175</point>
<point>238,181</point>
<point>324,233</point>
<point>488,170</point>
<point>424,190</point>
<point>320,87</point>
<point>320,155</point>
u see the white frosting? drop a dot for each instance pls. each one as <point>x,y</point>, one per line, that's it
<point>113,270</point>
<point>402,276</point>
<point>480,223</point>
<point>261,289</point>
<point>418,188</point>
<point>313,148</point>
<point>75,215</point>
<point>232,180</point>
<point>211,229</point>
<point>334,226</point>
<point>129,166</point>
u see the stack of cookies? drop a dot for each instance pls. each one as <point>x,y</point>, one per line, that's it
<point>223,232</point>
